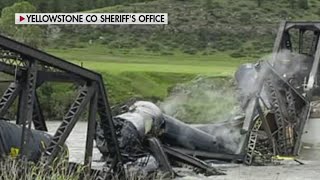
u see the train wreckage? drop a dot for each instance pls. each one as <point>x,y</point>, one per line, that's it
<point>278,96</point>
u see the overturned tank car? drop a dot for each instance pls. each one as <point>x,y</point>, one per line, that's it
<point>10,141</point>
<point>146,136</point>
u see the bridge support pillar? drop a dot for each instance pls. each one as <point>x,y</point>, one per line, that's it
<point>28,96</point>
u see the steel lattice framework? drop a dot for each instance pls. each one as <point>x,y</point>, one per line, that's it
<point>287,126</point>
<point>31,68</point>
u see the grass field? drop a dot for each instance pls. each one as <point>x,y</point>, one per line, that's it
<point>138,73</point>
<point>99,58</point>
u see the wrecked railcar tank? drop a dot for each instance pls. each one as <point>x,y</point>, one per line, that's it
<point>145,132</point>
<point>11,138</point>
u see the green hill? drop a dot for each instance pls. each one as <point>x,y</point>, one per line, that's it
<point>238,28</point>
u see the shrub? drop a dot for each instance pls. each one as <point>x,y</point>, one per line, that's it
<point>245,17</point>
<point>235,9</point>
<point>303,4</point>
<point>283,13</point>
<point>237,54</point>
<point>216,5</point>
<point>191,51</point>
<point>153,46</point>
<point>318,12</point>
<point>242,5</point>
<point>122,43</point>
<point>167,53</point>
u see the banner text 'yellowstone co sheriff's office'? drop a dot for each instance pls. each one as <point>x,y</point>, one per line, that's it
<point>91,18</point>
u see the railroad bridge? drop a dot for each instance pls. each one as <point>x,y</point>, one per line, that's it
<point>31,68</point>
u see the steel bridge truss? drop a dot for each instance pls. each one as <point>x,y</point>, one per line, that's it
<point>291,122</point>
<point>287,125</point>
<point>31,68</point>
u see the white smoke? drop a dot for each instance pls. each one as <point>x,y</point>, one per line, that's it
<point>203,100</point>
<point>206,100</point>
<point>227,133</point>
<point>287,64</point>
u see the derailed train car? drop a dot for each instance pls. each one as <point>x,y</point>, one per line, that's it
<point>145,133</point>
<point>11,138</point>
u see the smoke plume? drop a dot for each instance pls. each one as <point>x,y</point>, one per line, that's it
<point>203,100</point>
<point>207,100</point>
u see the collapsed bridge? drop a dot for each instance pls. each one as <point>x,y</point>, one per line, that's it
<point>31,68</point>
<point>283,90</point>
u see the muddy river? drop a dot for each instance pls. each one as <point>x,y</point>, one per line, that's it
<point>290,170</point>
<point>76,142</point>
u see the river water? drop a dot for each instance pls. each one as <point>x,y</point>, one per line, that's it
<point>76,141</point>
<point>288,171</point>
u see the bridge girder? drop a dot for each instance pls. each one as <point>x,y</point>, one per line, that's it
<point>31,68</point>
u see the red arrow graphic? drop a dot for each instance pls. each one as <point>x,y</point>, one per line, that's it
<point>22,18</point>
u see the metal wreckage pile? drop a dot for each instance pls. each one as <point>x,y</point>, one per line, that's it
<point>277,95</point>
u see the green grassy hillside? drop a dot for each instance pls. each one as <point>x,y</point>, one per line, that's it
<point>238,28</point>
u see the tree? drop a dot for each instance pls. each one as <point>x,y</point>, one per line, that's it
<point>29,34</point>
<point>55,5</point>
<point>303,4</point>
<point>208,6</point>
<point>292,3</point>
<point>259,3</point>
